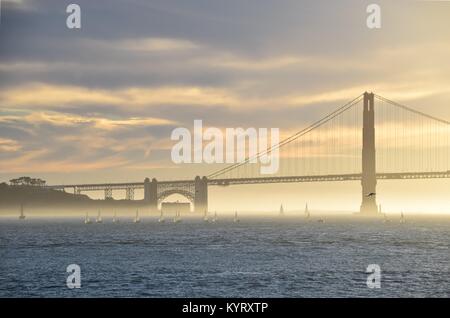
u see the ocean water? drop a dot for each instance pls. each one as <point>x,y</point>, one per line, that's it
<point>258,257</point>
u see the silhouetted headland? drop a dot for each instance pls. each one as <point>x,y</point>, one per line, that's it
<point>41,199</point>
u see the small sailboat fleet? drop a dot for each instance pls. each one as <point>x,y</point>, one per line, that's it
<point>21,215</point>
<point>137,218</point>
<point>99,218</point>
<point>385,217</point>
<point>177,218</point>
<point>87,220</point>
<point>161,217</point>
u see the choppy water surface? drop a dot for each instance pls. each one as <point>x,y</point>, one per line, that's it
<point>270,257</point>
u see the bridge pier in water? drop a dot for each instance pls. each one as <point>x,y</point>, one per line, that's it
<point>369,176</point>
<point>151,193</point>
<point>201,194</point>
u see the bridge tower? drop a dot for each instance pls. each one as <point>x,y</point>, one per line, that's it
<point>369,177</point>
<point>201,194</point>
<point>151,193</point>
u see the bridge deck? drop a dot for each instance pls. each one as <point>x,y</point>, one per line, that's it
<point>237,181</point>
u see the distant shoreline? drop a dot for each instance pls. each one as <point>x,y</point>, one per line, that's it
<point>42,199</point>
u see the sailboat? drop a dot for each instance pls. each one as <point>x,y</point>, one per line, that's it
<point>99,217</point>
<point>205,216</point>
<point>87,220</point>
<point>402,218</point>
<point>386,220</point>
<point>177,218</point>
<point>115,217</point>
<point>281,210</point>
<point>161,217</point>
<point>379,209</point>
<point>236,219</point>
<point>307,214</point>
<point>136,218</point>
<point>214,220</point>
<point>22,215</point>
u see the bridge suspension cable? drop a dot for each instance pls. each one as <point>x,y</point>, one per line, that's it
<point>292,138</point>
<point>407,141</point>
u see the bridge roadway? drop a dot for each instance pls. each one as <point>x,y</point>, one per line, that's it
<point>240,181</point>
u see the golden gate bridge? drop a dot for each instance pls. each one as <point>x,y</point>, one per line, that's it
<point>369,138</point>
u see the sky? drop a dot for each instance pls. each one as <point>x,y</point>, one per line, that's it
<point>98,104</point>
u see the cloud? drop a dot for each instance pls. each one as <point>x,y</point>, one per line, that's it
<point>228,61</point>
<point>26,164</point>
<point>33,95</point>
<point>153,44</point>
<point>9,145</point>
<point>61,119</point>
<point>272,81</point>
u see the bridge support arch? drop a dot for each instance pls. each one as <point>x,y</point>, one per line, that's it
<point>369,176</point>
<point>195,191</point>
<point>201,194</point>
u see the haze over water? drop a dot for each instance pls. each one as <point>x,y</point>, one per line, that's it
<point>257,257</point>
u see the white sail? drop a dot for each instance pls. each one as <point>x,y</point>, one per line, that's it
<point>22,215</point>
<point>177,217</point>
<point>161,217</point>
<point>99,217</point>
<point>136,218</point>
<point>402,218</point>
<point>87,220</point>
